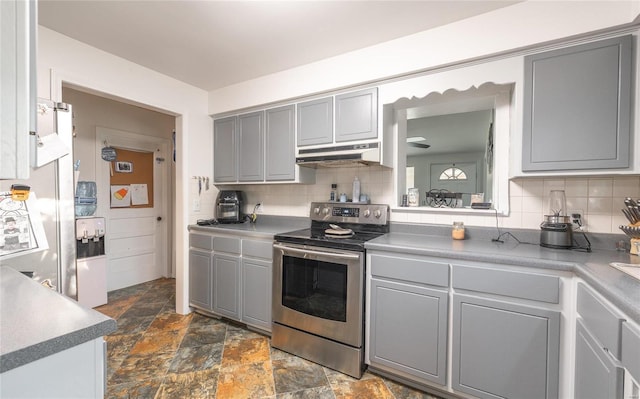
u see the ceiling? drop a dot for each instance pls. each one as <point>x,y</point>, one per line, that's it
<point>213,44</point>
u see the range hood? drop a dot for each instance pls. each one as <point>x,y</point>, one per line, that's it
<point>338,156</point>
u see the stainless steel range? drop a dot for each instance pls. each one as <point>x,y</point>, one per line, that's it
<point>318,284</point>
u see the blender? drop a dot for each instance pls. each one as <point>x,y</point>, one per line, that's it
<point>556,231</point>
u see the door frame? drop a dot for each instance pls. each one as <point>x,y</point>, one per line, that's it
<point>130,140</point>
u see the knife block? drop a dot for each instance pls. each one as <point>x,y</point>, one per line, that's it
<point>635,246</point>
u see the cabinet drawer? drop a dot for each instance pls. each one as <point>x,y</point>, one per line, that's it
<point>514,284</point>
<point>257,249</point>
<point>604,322</point>
<point>201,241</point>
<point>631,350</point>
<point>410,269</point>
<point>227,244</point>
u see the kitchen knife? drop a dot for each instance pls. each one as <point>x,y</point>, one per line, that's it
<point>630,216</point>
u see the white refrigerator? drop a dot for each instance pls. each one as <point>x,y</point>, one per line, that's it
<point>52,184</point>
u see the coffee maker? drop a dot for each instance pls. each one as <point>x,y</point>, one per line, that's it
<point>229,205</point>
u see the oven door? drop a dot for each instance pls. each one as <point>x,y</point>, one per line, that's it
<point>320,291</point>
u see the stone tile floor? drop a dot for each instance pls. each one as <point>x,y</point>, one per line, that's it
<point>157,353</point>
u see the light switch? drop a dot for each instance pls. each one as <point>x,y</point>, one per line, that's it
<point>196,205</point>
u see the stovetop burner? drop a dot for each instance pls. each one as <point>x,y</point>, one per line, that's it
<point>367,222</point>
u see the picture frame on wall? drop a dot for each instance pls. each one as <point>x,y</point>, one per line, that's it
<point>124,167</point>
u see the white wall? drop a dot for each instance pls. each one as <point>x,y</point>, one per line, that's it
<point>90,111</point>
<point>521,25</point>
<point>62,59</point>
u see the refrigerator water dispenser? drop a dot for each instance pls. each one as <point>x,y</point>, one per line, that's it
<point>91,264</point>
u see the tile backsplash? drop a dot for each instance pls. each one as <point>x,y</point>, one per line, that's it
<point>598,199</point>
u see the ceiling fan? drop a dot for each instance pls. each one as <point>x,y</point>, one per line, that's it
<point>414,142</point>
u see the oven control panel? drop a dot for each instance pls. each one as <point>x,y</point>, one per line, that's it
<point>350,213</point>
<point>346,212</point>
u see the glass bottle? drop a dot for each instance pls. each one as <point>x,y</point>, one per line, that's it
<point>332,196</point>
<point>457,232</point>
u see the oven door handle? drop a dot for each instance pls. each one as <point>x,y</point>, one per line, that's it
<point>319,253</point>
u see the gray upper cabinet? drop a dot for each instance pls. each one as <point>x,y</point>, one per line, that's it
<point>505,350</point>
<point>577,107</point>
<point>225,150</point>
<point>251,146</point>
<point>315,122</point>
<point>598,375</point>
<point>280,143</point>
<point>357,115</point>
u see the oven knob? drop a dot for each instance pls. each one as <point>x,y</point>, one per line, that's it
<point>316,210</point>
<point>326,210</point>
<point>377,213</point>
<point>367,212</point>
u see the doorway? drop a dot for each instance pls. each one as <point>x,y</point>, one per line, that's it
<point>136,212</point>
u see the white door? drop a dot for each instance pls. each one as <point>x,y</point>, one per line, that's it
<point>136,240</point>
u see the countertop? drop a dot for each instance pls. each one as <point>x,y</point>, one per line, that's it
<point>621,289</point>
<point>265,226</point>
<point>36,321</point>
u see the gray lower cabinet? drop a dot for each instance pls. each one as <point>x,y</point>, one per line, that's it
<point>315,122</point>
<point>230,276</point>
<point>256,293</point>
<point>409,316</point>
<point>631,354</point>
<point>280,137</point>
<point>251,146</point>
<point>226,285</point>
<point>200,278</point>
<point>598,374</point>
<point>577,107</point>
<point>356,115</point>
<point>503,349</point>
<point>409,330</point>
<point>225,150</point>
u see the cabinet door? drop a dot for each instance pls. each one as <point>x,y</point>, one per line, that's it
<point>251,146</point>
<point>225,150</point>
<point>280,139</point>
<point>598,374</point>
<point>357,115</point>
<point>226,285</point>
<point>504,350</point>
<point>409,330</point>
<point>16,77</point>
<point>256,293</point>
<point>315,122</point>
<point>577,107</point>
<point>200,277</point>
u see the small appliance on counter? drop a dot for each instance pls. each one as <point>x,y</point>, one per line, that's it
<point>557,230</point>
<point>229,206</point>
